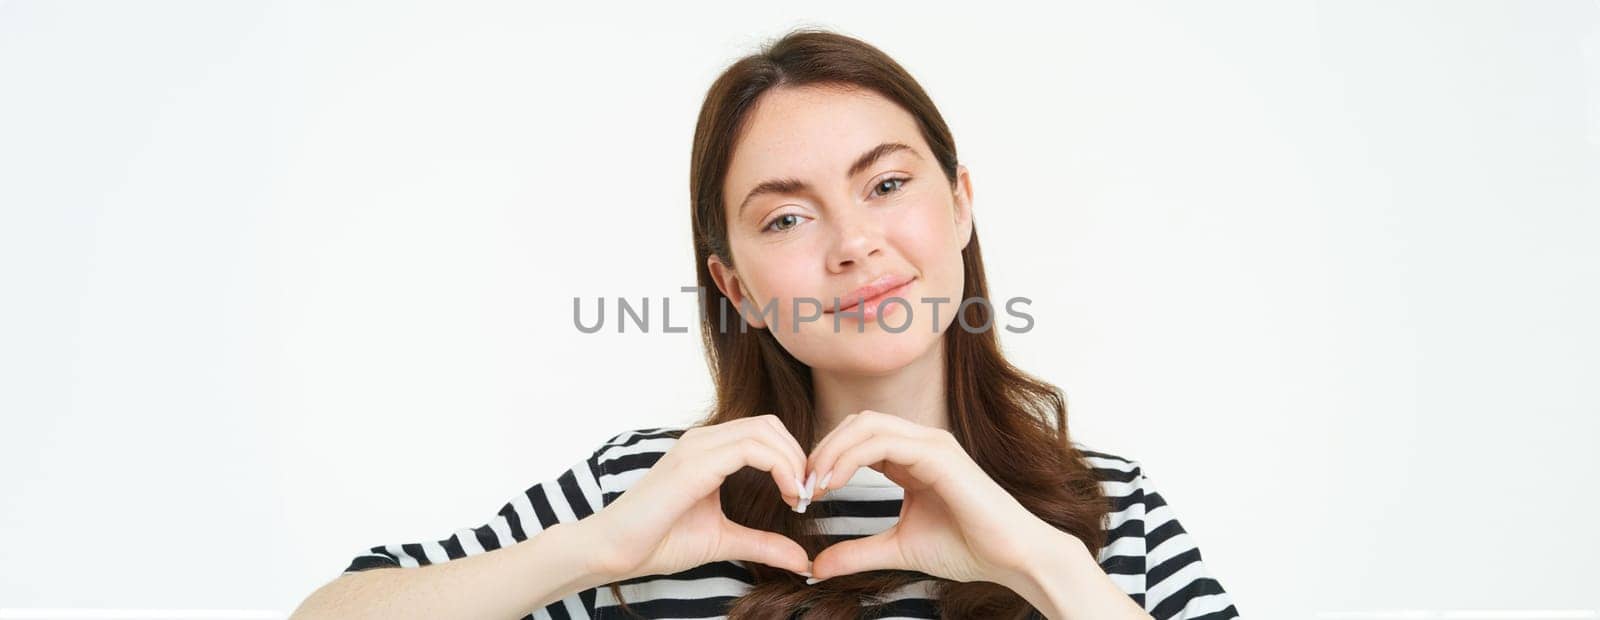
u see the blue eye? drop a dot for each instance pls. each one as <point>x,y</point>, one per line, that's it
<point>787,221</point>
<point>781,218</point>
<point>898,181</point>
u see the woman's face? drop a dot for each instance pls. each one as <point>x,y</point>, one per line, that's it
<point>830,190</point>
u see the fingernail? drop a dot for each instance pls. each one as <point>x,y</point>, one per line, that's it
<point>813,580</point>
<point>806,573</point>
<point>825,478</point>
<point>799,487</point>
<point>801,507</point>
<point>810,486</point>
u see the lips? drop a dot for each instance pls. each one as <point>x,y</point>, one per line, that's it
<point>873,292</point>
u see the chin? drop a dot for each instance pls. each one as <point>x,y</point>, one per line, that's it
<point>874,354</point>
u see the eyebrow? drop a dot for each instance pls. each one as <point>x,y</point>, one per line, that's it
<point>794,186</point>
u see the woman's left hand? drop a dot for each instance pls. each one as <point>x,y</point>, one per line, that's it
<point>955,521</point>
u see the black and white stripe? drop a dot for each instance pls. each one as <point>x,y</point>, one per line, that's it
<point>1148,555</point>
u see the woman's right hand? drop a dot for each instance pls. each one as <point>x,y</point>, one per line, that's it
<point>671,519</point>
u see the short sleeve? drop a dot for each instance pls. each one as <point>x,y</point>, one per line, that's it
<point>1177,583</point>
<point>567,497</point>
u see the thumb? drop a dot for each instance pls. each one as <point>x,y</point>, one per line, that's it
<point>742,543</point>
<point>876,552</point>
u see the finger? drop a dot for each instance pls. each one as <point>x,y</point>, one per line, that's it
<point>765,430</point>
<point>879,551</point>
<point>784,433</point>
<point>845,427</point>
<point>762,429</point>
<point>865,425</point>
<point>738,542</point>
<point>718,434</point>
<point>914,456</point>
<point>775,434</point>
<point>845,423</point>
<point>752,451</point>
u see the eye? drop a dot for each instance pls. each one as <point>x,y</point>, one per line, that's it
<point>790,218</point>
<point>895,183</point>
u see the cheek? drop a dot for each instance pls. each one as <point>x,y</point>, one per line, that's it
<point>928,237</point>
<point>781,278</point>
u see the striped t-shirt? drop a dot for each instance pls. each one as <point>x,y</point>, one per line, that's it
<point>1148,554</point>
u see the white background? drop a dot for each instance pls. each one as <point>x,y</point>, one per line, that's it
<point>285,281</point>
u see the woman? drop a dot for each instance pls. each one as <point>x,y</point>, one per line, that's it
<point>872,454</point>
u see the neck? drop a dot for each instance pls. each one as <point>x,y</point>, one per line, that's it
<point>915,392</point>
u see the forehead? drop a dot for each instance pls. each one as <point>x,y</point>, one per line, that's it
<point>813,133</point>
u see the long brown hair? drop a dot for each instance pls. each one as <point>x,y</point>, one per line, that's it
<point>1013,425</point>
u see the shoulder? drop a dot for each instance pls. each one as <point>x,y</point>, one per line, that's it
<point>1108,465</point>
<point>637,434</point>
<point>639,440</point>
<point>1112,469</point>
<point>1147,551</point>
<point>623,458</point>
<point>1123,482</point>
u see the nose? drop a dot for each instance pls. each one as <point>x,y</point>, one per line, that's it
<point>857,236</point>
